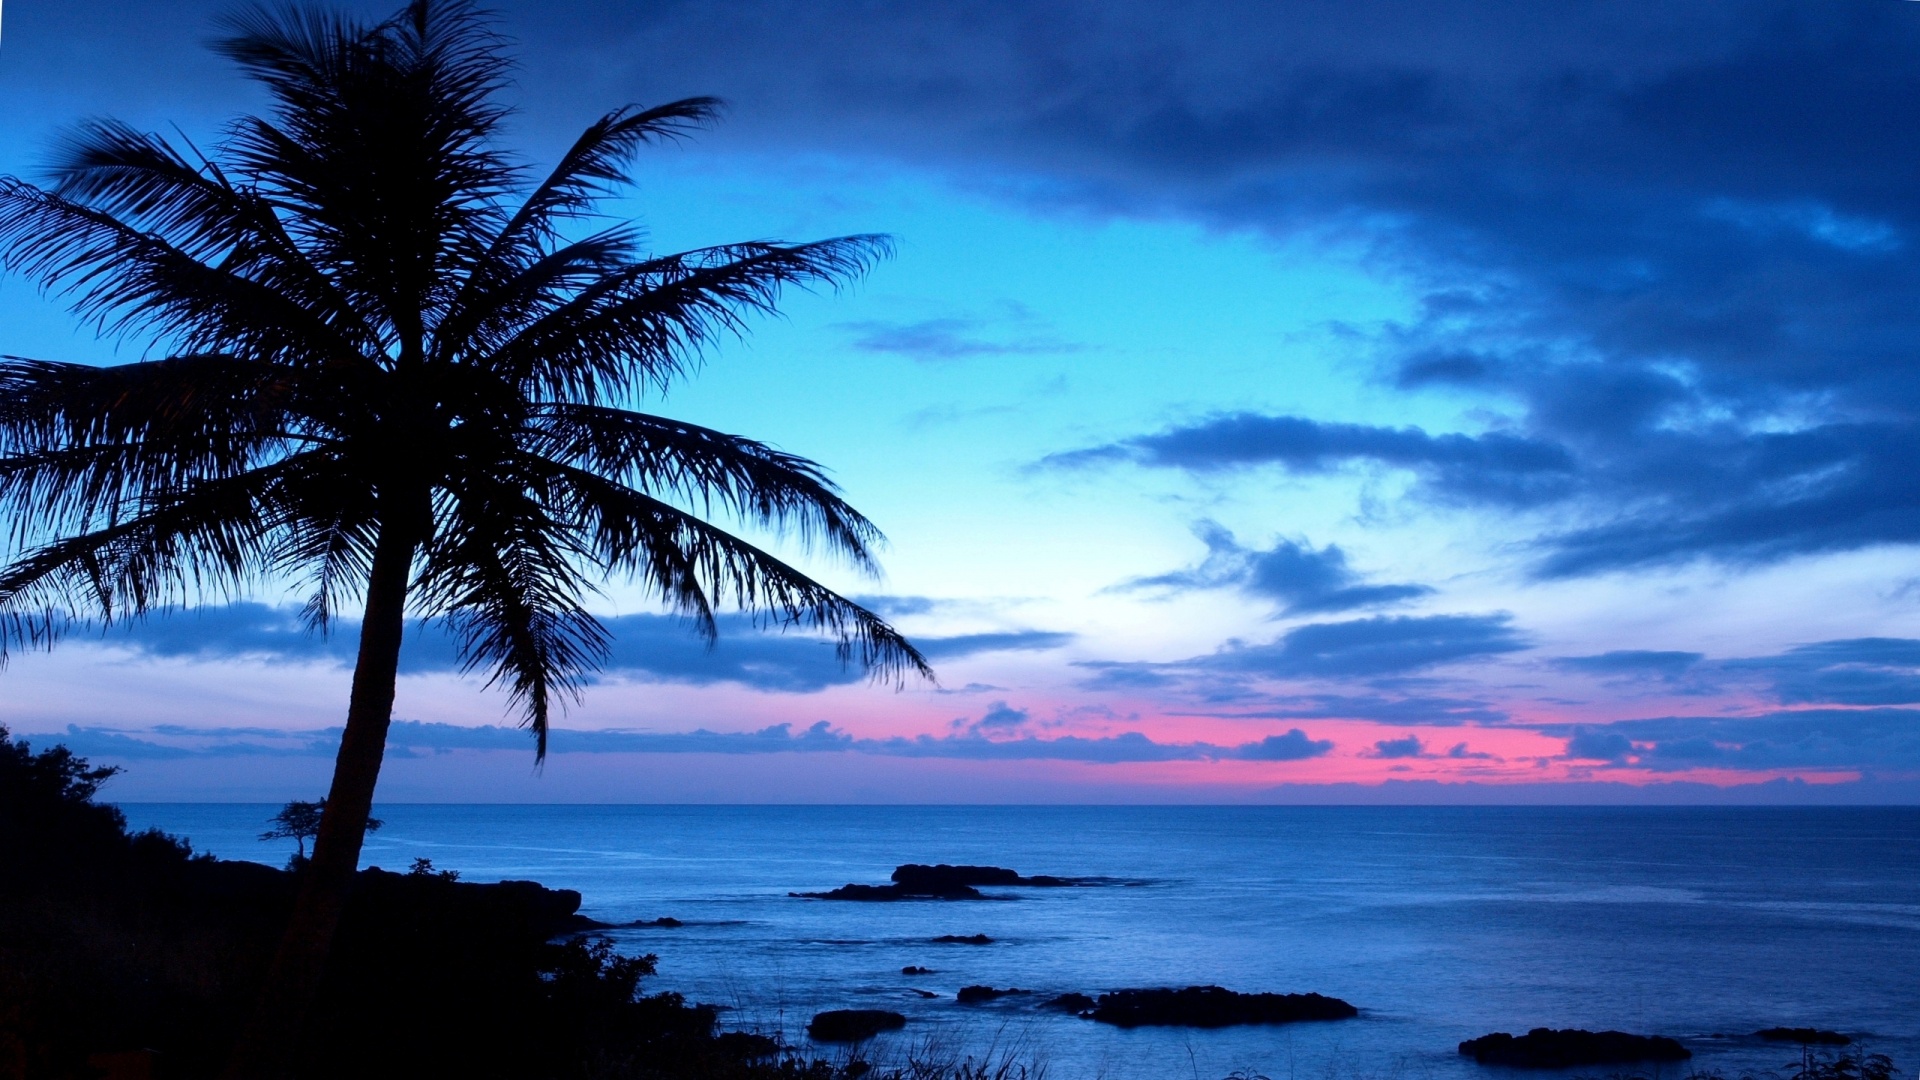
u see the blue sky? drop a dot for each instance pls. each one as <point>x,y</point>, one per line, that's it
<point>1265,401</point>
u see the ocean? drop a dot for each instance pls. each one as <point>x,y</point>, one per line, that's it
<point>1440,924</point>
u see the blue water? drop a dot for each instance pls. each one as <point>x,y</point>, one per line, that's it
<point>1439,923</point>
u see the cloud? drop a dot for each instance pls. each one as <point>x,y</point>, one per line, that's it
<point>656,647</point>
<point>1295,745</point>
<point>1587,744</point>
<point>1302,579</point>
<point>1000,717</point>
<point>1855,671</point>
<point>1365,648</point>
<point>1493,467</point>
<point>1865,740</point>
<point>1632,662</point>
<point>961,645</point>
<point>1407,747</point>
<point>938,340</point>
<point>415,738</point>
<point>893,607</point>
<point>1407,709</point>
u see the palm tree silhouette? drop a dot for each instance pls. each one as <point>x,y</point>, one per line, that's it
<point>399,369</point>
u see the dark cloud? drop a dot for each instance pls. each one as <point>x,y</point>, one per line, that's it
<point>1295,745</point>
<point>659,647</point>
<point>1495,467</point>
<point>1302,579</point>
<point>1867,740</point>
<point>1856,671</point>
<point>413,738</point>
<point>1365,648</point>
<point>1604,744</point>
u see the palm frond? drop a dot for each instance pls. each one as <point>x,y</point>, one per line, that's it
<point>694,566</point>
<point>143,181</point>
<point>380,147</point>
<point>747,478</point>
<point>501,571</point>
<point>651,322</point>
<point>214,537</point>
<point>127,281</point>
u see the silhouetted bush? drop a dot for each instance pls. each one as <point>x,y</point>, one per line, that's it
<point>113,942</point>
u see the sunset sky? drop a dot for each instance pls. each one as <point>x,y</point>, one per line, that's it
<point>1305,401</point>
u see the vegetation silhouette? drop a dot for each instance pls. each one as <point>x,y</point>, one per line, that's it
<point>300,821</point>
<point>398,369</point>
<point>128,947</point>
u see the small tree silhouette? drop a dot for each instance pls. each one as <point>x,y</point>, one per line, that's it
<point>300,821</point>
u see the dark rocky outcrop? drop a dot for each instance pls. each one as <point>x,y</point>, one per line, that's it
<point>911,969</point>
<point>853,1025</point>
<point>917,881</point>
<point>1803,1036</point>
<point>1548,1048</point>
<point>963,939</point>
<point>664,922</point>
<point>1211,1007</point>
<point>973,995</point>
<point>1073,1003</point>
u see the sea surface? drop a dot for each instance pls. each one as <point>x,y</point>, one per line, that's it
<point>1440,924</point>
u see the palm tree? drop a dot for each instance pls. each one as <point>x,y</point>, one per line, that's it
<point>399,369</point>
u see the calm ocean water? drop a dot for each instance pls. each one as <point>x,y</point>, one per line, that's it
<point>1439,923</point>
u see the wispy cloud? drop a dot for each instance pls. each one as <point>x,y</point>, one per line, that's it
<point>955,338</point>
<point>413,737</point>
<point>657,647</point>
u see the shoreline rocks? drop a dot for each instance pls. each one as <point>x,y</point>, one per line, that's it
<point>1548,1048</point>
<point>1804,1036</point>
<point>853,1025</point>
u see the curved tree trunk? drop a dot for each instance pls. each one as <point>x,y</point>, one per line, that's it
<point>267,1047</point>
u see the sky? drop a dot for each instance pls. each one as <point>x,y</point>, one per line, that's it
<point>1463,401</point>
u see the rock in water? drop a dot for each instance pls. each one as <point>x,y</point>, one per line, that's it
<point>1073,1003</point>
<point>853,1025</point>
<point>967,939</point>
<point>1547,1048</point>
<point>1213,1007</point>
<point>1803,1036</point>
<point>915,969</point>
<point>918,881</point>
<point>970,995</point>
<point>935,880</point>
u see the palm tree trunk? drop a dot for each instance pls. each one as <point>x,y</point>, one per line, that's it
<point>267,1047</point>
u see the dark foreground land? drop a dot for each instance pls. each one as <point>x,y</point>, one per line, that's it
<point>131,951</point>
